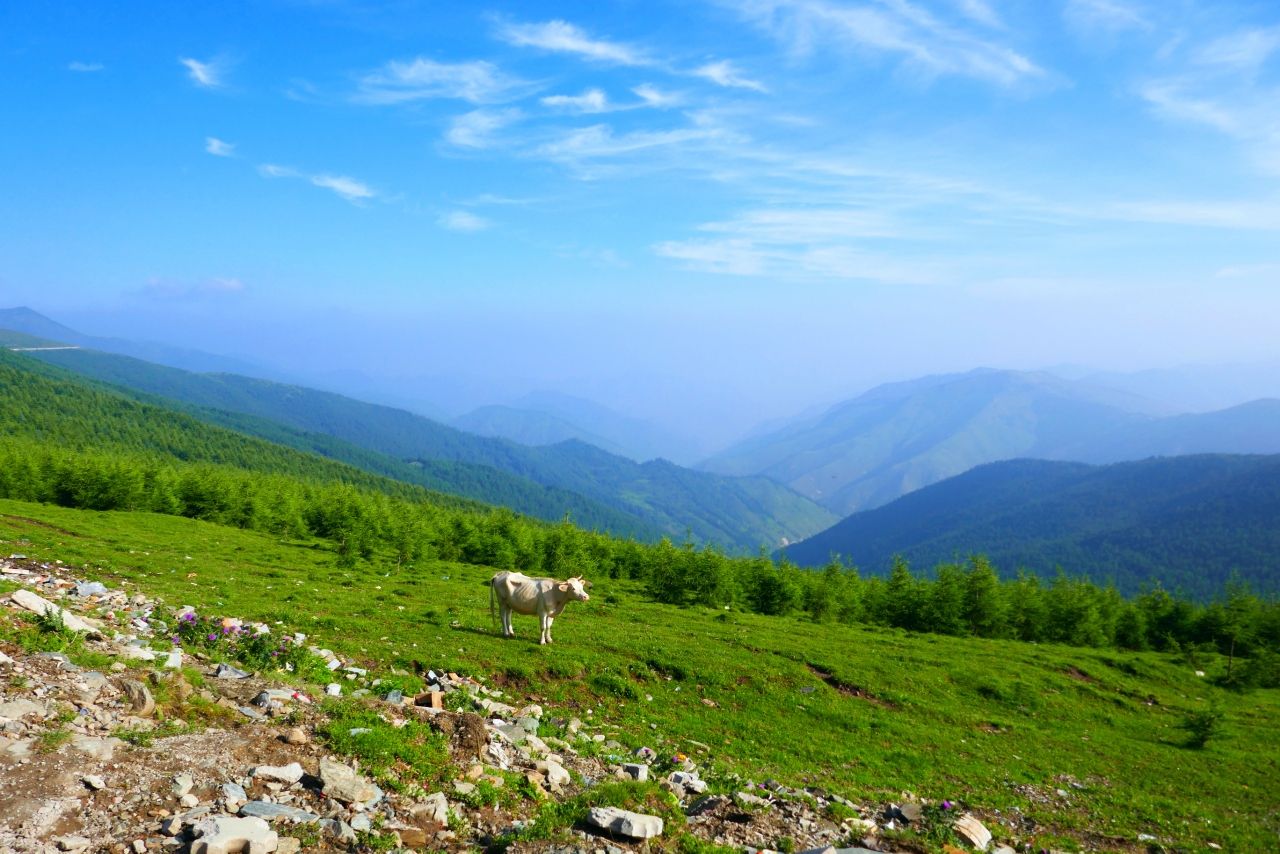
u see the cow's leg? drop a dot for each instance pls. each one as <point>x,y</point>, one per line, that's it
<point>507,631</point>
<point>550,622</point>
<point>544,620</point>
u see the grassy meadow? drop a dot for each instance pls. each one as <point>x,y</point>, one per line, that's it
<point>1081,747</point>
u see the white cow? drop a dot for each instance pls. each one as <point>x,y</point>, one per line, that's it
<point>545,597</point>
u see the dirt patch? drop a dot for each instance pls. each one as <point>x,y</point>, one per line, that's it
<point>1079,675</point>
<point>466,732</point>
<point>850,690</point>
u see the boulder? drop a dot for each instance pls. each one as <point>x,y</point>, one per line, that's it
<point>636,770</point>
<point>434,808</point>
<point>226,835</point>
<point>345,784</point>
<point>30,601</point>
<point>625,823</point>
<point>288,774</point>
<point>21,708</point>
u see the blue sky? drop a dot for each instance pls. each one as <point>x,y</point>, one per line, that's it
<point>745,207</point>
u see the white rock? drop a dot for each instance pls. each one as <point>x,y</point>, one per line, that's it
<point>4,659</point>
<point>173,659</point>
<point>290,773</point>
<point>226,835</point>
<point>35,604</point>
<point>182,784</point>
<point>93,781</point>
<point>71,843</point>
<point>435,807</point>
<point>21,708</point>
<point>333,689</point>
<point>555,773</point>
<point>345,784</point>
<point>633,824</point>
<point>973,830</point>
<point>636,770</point>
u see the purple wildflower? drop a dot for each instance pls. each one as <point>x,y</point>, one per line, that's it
<point>946,805</point>
<point>175,640</point>
<point>213,636</point>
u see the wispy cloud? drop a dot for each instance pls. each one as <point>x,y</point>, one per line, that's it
<point>351,189</point>
<point>563,37</point>
<point>463,221</point>
<point>85,67</point>
<point>218,148</point>
<point>599,141</point>
<point>655,97</point>
<point>479,128</point>
<point>1107,15</point>
<point>893,28</point>
<point>1247,113</point>
<point>1246,50</point>
<point>981,12</point>
<point>208,75</point>
<point>478,82</point>
<point>590,101</point>
<point>724,73</point>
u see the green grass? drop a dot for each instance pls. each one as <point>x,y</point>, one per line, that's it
<point>865,712</point>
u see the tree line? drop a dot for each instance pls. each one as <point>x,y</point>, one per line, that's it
<point>363,524</point>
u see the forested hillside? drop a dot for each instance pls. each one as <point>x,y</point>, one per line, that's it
<point>741,513</point>
<point>1189,522</point>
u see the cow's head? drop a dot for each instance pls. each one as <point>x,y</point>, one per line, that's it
<point>575,587</point>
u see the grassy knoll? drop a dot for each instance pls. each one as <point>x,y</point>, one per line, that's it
<point>994,725</point>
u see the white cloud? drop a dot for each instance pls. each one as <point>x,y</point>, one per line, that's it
<point>1270,272</point>
<point>654,97</point>
<point>348,188</point>
<point>1244,51</point>
<point>463,221</point>
<point>1249,114</point>
<point>599,141</point>
<point>477,128</point>
<point>590,101</point>
<point>724,73</point>
<point>399,82</point>
<point>981,12</point>
<point>85,67</point>
<point>218,148</point>
<point>352,190</point>
<point>1110,15</point>
<point>205,74</point>
<point>564,37</point>
<point>895,28</point>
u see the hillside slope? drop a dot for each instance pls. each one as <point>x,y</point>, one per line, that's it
<point>1190,521</point>
<point>739,513</point>
<point>900,437</point>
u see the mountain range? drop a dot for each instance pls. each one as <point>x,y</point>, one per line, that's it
<point>1191,522</point>
<point>593,485</point>
<point>901,437</point>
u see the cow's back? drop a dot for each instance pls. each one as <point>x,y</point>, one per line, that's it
<point>519,592</point>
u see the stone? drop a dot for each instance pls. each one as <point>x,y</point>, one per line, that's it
<point>264,810</point>
<point>17,709</point>
<point>4,659</point>
<point>710,803</point>
<point>361,823</point>
<point>529,724</point>
<point>97,748</point>
<point>30,601</point>
<point>226,835</point>
<point>141,703</point>
<point>555,773</point>
<point>973,831</point>
<point>94,782</point>
<point>71,843</point>
<point>226,671</point>
<point>182,784</point>
<point>289,845</point>
<point>340,829</point>
<point>295,736</point>
<point>396,697</point>
<point>189,800</point>
<point>139,846</point>
<point>287,774</point>
<point>636,770</point>
<point>746,799</point>
<point>463,788</point>
<point>174,659</point>
<point>234,792</point>
<point>174,825</point>
<point>345,784</point>
<point>435,807</point>
<point>90,588</point>
<point>624,822</point>
<point>333,689</point>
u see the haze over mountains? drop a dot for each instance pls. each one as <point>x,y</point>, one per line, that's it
<point>596,487</point>
<point>900,437</point>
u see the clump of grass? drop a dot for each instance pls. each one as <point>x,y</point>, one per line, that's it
<point>395,756</point>
<point>52,739</point>
<point>555,817</point>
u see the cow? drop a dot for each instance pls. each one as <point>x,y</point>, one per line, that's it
<point>545,597</point>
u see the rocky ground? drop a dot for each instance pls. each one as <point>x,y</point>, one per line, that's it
<point>160,748</point>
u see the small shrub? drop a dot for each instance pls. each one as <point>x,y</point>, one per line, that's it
<point>612,683</point>
<point>1201,726</point>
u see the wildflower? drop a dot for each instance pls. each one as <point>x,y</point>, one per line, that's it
<point>946,805</point>
<point>213,636</point>
<point>175,640</point>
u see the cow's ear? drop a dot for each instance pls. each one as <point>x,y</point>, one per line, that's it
<point>564,586</point>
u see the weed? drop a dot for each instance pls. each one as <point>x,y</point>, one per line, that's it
<point>395,756</point>
<point>52,739</point>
